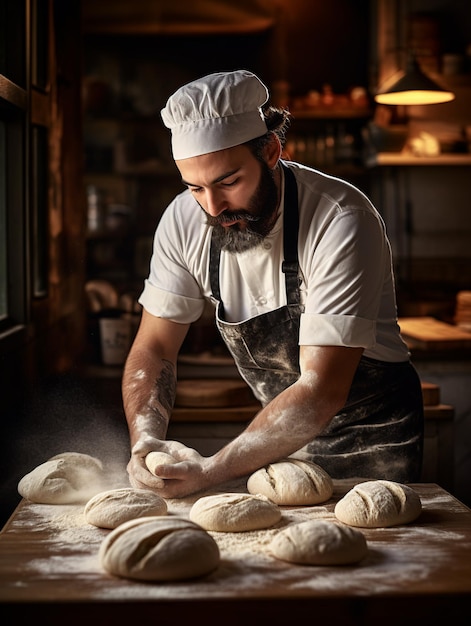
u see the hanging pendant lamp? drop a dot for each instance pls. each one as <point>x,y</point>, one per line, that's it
<point>414,87</point>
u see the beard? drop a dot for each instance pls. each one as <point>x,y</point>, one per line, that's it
<point>258,217</point>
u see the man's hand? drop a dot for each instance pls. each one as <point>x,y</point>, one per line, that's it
<point>184,478</point>
<point>188,460</point>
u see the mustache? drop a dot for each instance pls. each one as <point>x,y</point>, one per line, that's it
<point>230,217</point>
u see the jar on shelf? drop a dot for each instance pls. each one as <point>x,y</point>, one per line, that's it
<point>95,209</point>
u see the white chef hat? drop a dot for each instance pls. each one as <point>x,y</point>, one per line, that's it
<point>215,112</point>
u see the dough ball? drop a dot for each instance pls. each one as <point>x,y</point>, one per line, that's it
<point>67,478</point>
<point>154,459</point>
<point>378,504</point>
<point>109,509</point>
<point>79,459</point>
<point>319,542</point>
<point>159,549</point>
<point>292,482</point>
<point>234,512</point>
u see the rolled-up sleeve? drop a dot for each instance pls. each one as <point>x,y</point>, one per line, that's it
<point>169,305</point>
<point>337,330</point>
<point>344,280</point>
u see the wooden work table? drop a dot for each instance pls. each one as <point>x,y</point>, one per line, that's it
<point>49,569</point>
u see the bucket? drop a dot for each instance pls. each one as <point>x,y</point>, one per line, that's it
<point>115,340</point>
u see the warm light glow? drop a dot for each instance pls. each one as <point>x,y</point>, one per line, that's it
<point>413,87</point>
<point>415,97</point>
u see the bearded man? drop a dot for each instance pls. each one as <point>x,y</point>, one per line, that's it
<point>298,267</point>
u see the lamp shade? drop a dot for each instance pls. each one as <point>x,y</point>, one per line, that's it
<point>414,87</point>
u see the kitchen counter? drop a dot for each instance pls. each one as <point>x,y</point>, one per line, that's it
<point>431,339</point>
<point>50,564</point>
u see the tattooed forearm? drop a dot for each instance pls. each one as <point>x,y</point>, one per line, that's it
<point>166,385</point>
<point>148,396</point>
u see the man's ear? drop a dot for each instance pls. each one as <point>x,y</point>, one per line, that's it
<point>272,151</point>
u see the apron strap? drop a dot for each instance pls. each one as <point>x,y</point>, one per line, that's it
<point>214,259</point>
<point>290,265</point>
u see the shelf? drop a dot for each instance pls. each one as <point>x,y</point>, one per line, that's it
<point>331,114</point>
<point>400,158</point>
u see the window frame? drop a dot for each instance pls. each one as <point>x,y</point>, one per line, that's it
<point>24,102</point>
<point>13,113</point>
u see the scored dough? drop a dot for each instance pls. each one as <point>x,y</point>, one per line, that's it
<point>111,508</point>
<point>159,549</point>
<point>79,458</point>
<point>319,542</point>
<point>234,512</point>
<point>154,459</point>
<point>292,482</point>
<point>67,478</point>
<point>378,504</point>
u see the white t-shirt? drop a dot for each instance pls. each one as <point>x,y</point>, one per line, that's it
<point>347,286</point>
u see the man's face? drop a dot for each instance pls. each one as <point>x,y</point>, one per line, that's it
<point>238,194</point>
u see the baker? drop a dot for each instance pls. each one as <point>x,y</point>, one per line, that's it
<point>298,267</point>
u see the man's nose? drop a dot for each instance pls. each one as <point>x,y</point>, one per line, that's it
<point>215,202</point>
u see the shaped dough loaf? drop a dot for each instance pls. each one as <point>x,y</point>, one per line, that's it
<point>234,512</point>
<point>159,549</point>
<point>378,504</point>
<point>292,482</point>
<point>154,459</point>
<point>319,542</point>
<point>109,509</point>
<point>67,478</point>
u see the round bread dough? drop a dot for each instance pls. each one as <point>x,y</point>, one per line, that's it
<point>159,549</point>
<point>234,512</point>
<point>67,478</point>
<point>111,508</point>
<point>319,542</point>
<point>79,458</point>
<point>378,504</point>
<point>154,459</point>
<point>292,482</point>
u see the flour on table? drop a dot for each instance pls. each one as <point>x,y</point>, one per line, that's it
<point>247,566</point>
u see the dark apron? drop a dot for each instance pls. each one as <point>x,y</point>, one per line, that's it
<point>379,432</point>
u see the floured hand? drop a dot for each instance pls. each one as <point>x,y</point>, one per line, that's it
<point>184,478</point>
<point>149,476</point>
